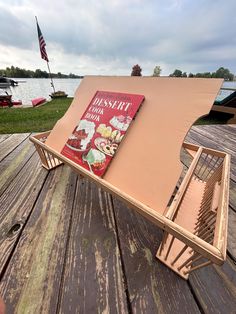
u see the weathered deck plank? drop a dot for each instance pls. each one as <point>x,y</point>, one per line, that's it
<point>219,141</point>
<point>10,143</point>
<point>231,243</point>
<point>195,138</point>
<point>14,162</point>
<point>16,203</point>
<point>214,287</point>
<point>153,288</point>
<point>3,137</point>
<point>74,249</point>
<point>31,283</point>
<point>93,279</point>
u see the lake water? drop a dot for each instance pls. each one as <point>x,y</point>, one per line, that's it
<point>34,88</point>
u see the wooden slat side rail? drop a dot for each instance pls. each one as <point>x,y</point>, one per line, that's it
<point>202,210</point>
<point>49,161</point>
<point>190,146</point>
<point>220,239</point>
<point>184,185</point>
<point>42,135</point>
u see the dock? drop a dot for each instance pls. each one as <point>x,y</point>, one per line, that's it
<point>67,246</point>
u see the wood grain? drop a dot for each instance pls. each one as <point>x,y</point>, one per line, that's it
<point>71,254</point>
<point>216,141</point>
<point>214,288</point>
<point>3,137</point>
<point>10,143</point>
<point>232,210</point>
<point>203,140</point>
<point>231,247</point>
<point>153,288</point>
<point>93,279</point>
<point>14,162</point>
<point>16,204</point>
<point>31,283</point>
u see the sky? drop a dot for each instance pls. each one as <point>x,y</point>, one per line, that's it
<point>108,37</point>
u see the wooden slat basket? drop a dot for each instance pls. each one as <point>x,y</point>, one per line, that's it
<point>195,223</point>
<point>200,205</point>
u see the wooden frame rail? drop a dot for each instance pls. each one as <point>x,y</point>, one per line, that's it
<point>195,224</point>
<point>201,206</point>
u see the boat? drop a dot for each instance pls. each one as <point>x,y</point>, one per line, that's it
<point>38,101</point>
<point>7,82</point>
<point>6,101</point>
<point>58,94</point>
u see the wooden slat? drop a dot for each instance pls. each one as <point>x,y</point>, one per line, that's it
<point>221,138</point>
<point>10,143</point>
<point>215,142</point>
<point>232,195</point>
<point>214,288</point>
<point>228,131</point>
<point>93,279</point>
<point>185,159</point>
<point>184,184</point>
<point>221,227</point>
<point>14,162</point>
<point>3,137</point>
<point>153,288</point>
<point>31,283</point>
<point>231,245</point>
<point>16,204</point>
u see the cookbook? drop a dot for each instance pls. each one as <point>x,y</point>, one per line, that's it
<point>98,134</point>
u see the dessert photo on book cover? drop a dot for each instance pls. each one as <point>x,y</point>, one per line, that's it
<point>97,136</point>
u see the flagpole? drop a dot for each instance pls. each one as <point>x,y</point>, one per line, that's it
<point>51,77</point>
<point>44,56</point>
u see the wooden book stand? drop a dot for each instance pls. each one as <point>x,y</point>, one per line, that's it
<point>146,168</point>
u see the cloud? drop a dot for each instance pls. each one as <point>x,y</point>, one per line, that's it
<point>108,37</point>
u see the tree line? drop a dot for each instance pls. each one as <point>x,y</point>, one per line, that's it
<point>17,72</point>
<point>220,73</point>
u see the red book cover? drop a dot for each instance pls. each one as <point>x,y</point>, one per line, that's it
<point>97,136</point>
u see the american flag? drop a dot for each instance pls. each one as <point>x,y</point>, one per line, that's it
<point>42,44</point>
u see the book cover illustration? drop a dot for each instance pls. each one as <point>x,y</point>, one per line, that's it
<point>97,136</point>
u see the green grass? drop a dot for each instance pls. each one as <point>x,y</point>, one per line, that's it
<point>39,119</point>
<point>214,118</point>
<point>43,118</point>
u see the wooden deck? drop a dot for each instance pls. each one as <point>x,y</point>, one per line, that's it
<point>68,247</point>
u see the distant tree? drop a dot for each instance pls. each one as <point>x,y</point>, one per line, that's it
<point>16,72</point>
<point>207,74</point>
<point>220,73</point>
<point>157,71</point>
<point>136,70</point>
<point>71,75</point>
<point>177,73</point>
<point>224,73</point>
<point>40,74</point>
<point>199,75</point>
